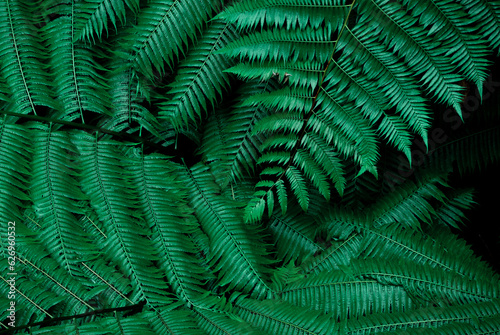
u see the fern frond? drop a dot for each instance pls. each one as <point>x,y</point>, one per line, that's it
<point>166,213</point>
<point>293,235</point>
<point>308,45</point>
<point>56,196</point>
<point>276,317</point>
<point>33,259</point>
<point>115,287</point>
<point>92,17</point>
<point>410,206</point>
<point>126,325</point>
<point>395,242</point>
<point>127,113</point>
<point>286,14</point>
<point>451,213</point>
<point>422,319</point>
<point>162,33</point>
<point>78,85</point>
<point>396,29</point>
<point>393,79</point>
<point>453,27</point>
<point>339,254</point>
<point>229,141</point>
<point>233,245</point>
<point>22,58</point>
<point>463,151</point>
<point>200,80</point>
<point>32,298</point>
<point>218,323</point>
<point>297,74</point>
<point>14,147</point>
<point>167,320</point>
<point>339,124</point>
<point>487,16</point>
<point>344,297</point>
<point>107,185</point>
<point>424,282</point>
<point>359,190</point>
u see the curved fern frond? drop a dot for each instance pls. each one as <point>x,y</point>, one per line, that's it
<point>33,259</point>
<point>297,74</point>
<point>287,14</point>
<point>392,25</point>
<point>233,250</point>
<point>326,292</point>
<point>339,254</point>
<point>229,142</point>
<point>78,85</point>
<point>309,45</point>
<point>127,112</point>
<point>22,58</point>
<point>276,317</point>
<point>34,299</point>
<point>487,15</point>
<point>200,79</point>
<point>451,212</point>
<point>163,31</point>
<point>55,195</point>
<point>14,147</point>
<point>92,16</point>
<point>166,213</point>
<point>294,236</point>
<point>422,319</point>
<point>441,287</point>
<point>453,27</point>
<point>410,206</point>
<point>107,185</point>
<point>383,47</point>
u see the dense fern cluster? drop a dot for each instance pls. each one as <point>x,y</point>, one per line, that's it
<point>292,214</point>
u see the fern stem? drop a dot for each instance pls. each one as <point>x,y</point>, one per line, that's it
<point>134,308</point>
<point>83,126</point>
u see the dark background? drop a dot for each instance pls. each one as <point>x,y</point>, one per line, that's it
<point>481,229</point>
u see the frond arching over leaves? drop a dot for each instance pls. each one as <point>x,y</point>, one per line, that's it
<point>436,46</point>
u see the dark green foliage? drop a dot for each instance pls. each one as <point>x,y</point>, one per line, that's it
<point>243,167</point>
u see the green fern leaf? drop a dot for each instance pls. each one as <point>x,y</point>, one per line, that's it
<point>276,317</point>
<point>167,214</point>
<point>108,188</point>
<point>327,292</point>
<point>127,112</point>
<point>233,249</point>
<point>22,58</point>
<point>421,319</point>
<point>92,16</point>
<point>152,43</point>
<point>293,235</point>
<point>200,79</point>
<point>441,287</point>
<point>78,86</point>
<point>290,13</point>
<point>56,196</point>
<point>14,147</point>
